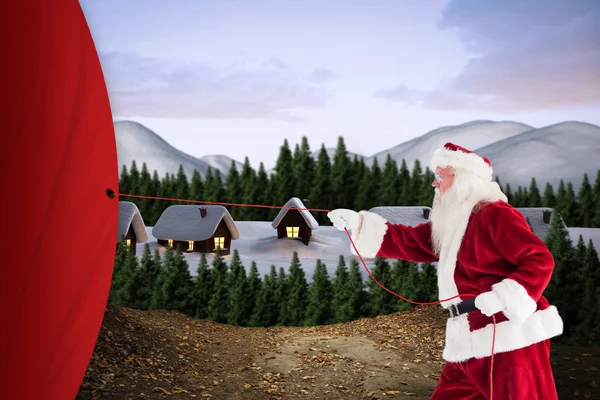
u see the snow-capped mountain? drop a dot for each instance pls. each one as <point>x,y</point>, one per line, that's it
<point>137,142</point>
<point>562,151</point>
<point>472,135</point>
<point>221,162</point>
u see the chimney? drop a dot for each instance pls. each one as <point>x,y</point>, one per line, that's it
<point>202,212</point>
<point>426,213</point>
<point>547,214</point>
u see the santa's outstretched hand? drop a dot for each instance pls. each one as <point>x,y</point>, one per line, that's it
<point>344,218</point>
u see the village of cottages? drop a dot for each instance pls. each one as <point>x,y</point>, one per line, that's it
<point>224,293</point>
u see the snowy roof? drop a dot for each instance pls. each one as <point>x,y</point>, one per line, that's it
<point>536,219</point>
<point>588,234</point>
<point>129,215</point>
<point>183,222</point>
<point>409,215</point>
<point>295,202</point>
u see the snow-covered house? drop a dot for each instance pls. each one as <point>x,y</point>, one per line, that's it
<point>131,225</point>
<point>295,221</point>
<point>539,219</point>
<point>587,234</point>
<point>405,215</point>
<point>196,228</point>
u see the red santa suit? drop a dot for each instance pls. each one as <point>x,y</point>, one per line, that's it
<point>490,252</point>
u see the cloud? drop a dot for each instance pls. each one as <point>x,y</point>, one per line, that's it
<point>320,75</point>
<point>150,87</point>
<point>527,55</point>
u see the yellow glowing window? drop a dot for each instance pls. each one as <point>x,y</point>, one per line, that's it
<point>191,246</point>
<point>293,231</point>
<point>128,242</point>
<point>219,242</point>
<point>170,242</point>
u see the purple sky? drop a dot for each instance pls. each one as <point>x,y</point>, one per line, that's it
<point>237,77</point>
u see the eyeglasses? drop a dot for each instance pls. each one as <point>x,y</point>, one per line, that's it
<point>440,177</point>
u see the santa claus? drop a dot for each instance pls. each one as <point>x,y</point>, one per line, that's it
<point>489,264</point>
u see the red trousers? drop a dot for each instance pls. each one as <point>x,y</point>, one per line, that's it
<point>519,374</point>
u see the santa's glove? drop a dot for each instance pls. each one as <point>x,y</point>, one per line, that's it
<point>344,218</point>
<point>489,303</point>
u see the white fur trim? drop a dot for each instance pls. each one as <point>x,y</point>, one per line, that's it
<point>462,344</point>
<point>518,305</point>
<point>461,160</point>
<point>489,303</point>
<point>369,237</point>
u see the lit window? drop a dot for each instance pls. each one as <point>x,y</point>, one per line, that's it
<point>170,242</point>
<point>128,242</point>
<point>219,242</point>
<point>293,231</point>
<point>191,246</point>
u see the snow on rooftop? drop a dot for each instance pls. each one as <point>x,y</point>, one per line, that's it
<point>295,202</point>
<point>184,222</point>
<point>130,215</point>
<point>588,234</point>
<point>536,219</point>
<point>410,215</point>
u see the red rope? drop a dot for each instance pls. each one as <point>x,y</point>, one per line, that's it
<point>355,249</point>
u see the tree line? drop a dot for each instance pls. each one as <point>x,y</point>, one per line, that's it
<point>337,182</point>
<point>229,293</point>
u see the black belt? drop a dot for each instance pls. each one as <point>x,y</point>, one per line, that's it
<point>463,307</point>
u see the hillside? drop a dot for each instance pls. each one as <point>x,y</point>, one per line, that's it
<point>136,142</point>
<point>166,355</point>
<point>562,151</point>
<point>472,135</point>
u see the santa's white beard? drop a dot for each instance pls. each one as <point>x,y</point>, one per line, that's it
<point>447,210</point>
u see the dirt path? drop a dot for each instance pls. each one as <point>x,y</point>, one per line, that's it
<point>165,355</point>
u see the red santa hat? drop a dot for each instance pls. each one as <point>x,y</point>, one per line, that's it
<point>457,157</point>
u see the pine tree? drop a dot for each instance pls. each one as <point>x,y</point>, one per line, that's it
<point>177,285</point>
<point>580,260</point>
<point>159,297</point>
<point>549,199</point>
<point>321,195</point>
<point>117,280</point>
<point>390,183</point>
<point>402,283</point>
<point>145,190</point>
<point>261,194</point>
<point>284,182</point>
<point>426,193</point>
<point>238,284</point>
<point>341,293</point>
<point>586,201</point>
<point>297,299</point>
<point>128,281</point>
<point>564,285</point>
<point>234,191</point>
<point>358,299</point>
<point>203,288</point>
<point>148,274</point>
<point>154,207</point>
<point>404,197</point>
<point>220,193</point>
<point>382,302</point>
<point>248,184</point>
<point>182,186</point>
<point>219,301</point>
<point>596,197</point>
<point>134,178</point>
<point>429,282</point>
<point>571,214</point>
<point>196,187</point>
<point>509,195</point>
<point>253,290</point>
<point>341,173</point>
<point>320,294</point>
<point>210,188</point>
<point>124,181</point>
<point>416,183</point>
<point>282,292</point>
<point>370,187</point>
<point>561,199</point>
<point>534,199</point>
<point>304,170</point>
<point>592,296</point>
<point>265,311</point>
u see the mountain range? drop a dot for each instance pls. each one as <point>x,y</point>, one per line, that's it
<point>517,151</point>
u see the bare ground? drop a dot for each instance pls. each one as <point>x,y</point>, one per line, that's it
<point>167,355</point>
